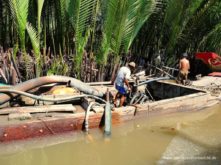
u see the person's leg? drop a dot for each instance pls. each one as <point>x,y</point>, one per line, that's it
<point>115,99</point>
<point>185,78</point>
<point>122,100</point>
<point>178,80</point>
<point>182,77</point>
<point>121,93</point>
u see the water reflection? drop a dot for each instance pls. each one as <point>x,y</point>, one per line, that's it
<point>171,139</point>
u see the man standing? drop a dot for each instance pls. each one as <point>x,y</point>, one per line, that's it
<point>184,67</point>
<point>122,83</point>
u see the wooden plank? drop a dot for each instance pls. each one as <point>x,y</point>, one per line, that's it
<point>19,116</point>
<point>207,81</point>
<point>99,83</point>
<point>39,109</point>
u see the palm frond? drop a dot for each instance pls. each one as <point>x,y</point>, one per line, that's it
<point>81,12</point>
<point>213,39</point>
<point>138,13</point>
<point>178,15</point>
<point>40,7</point>
<point>114,22</point>
<point>34,37</point>
<point>204,24</point>
<point>19,10</point>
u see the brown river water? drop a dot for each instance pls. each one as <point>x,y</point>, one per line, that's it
<point>181,138</point>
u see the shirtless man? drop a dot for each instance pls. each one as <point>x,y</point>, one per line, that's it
<point>184,67</point>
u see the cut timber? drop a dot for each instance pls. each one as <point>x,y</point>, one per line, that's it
<point>19,116</point>
<point>37,109</point>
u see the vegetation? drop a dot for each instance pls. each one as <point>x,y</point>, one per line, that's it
<point>65,33</point>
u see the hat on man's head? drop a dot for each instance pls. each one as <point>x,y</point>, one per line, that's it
<point>132,64</point>
<point>185,54</point>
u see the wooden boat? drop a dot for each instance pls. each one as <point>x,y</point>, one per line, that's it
<point>28,118</point>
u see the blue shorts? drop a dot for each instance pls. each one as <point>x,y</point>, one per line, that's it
<point>121,90</point>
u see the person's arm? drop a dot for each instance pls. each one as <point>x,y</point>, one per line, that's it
<point>188,65</point>
<point>126,82</point>
<point>126,78</point>
<point>180,64</point>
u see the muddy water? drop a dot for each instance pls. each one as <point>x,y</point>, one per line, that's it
<point>183,138</point>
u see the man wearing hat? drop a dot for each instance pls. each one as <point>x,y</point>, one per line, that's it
<point>184,67</point>
<point>122,83</point>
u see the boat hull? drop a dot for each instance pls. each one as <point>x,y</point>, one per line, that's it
<point>63,123</point>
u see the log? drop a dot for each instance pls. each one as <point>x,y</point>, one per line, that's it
<point>19,116</point>
<point>39,109</point>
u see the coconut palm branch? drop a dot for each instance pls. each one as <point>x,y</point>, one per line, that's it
<point>211,39</point>
<point>40,4</point>
<point>81,12</point>
<point>115,20</point>
<point>61,21</point>
<point>19,10</point>
<point>34,37</point>
<point>109,9</point>
<point>138,13</point>
<point>123,21</point>
<point>178,15</point>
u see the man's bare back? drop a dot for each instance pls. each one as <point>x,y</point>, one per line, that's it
<point>184,64</point>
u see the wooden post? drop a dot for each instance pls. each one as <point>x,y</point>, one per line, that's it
<point>108,121</point>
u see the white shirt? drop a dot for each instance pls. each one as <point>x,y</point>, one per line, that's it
<point>124,73</point>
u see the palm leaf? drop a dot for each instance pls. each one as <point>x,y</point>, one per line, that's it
<point>206,27</point>
<point>40,4</point>
<point>213,39</point>
<point>19,10</point>
<point>81,12</point>
<point>61,21</point>
<point>114,23</point>
<point>34,37</point>
<point>179,14</point>
<point>138,13</point>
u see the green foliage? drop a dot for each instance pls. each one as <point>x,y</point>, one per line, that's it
<point>62,20</point>
<point>33,34</point>
<point>123,20</point>
<point>40,4</point>
<point>212,38</point>
<point>178,14</point>
<point>19,10</point>
<point>180,26</point>
<point>58,67</point>
<point>110,27</point>
<point>138,13</point>
<point>81,12</point>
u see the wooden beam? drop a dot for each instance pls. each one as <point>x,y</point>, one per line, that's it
<point>39,109</point>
